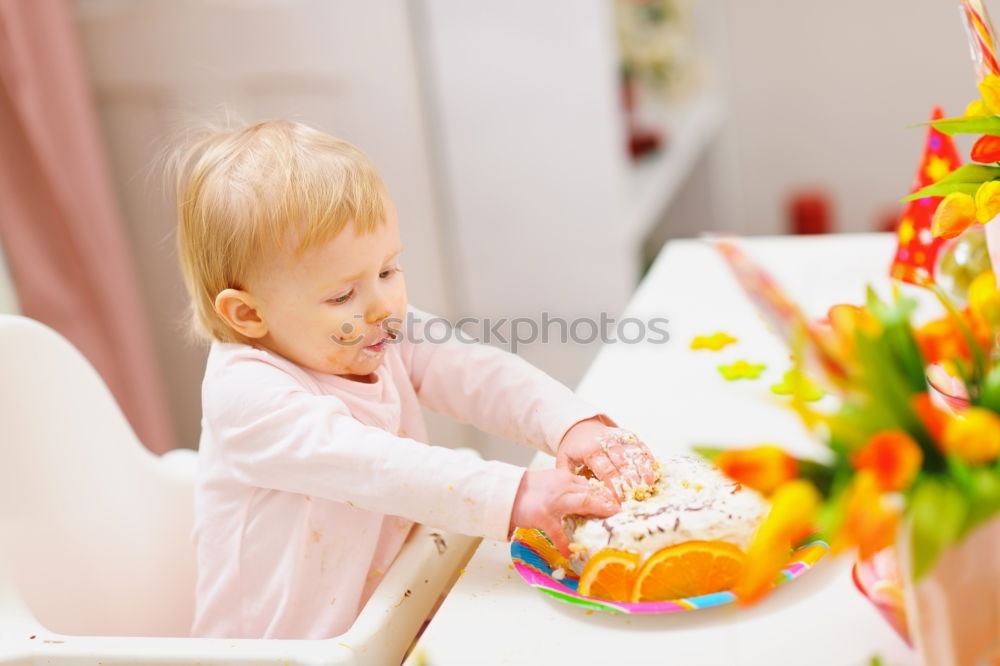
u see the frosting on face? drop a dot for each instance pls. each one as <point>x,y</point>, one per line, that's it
<point>691,500</point>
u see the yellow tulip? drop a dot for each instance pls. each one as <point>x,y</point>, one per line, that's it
<point>792,517</point>
<point>953,215</point>
<point>984,298</point>
<point>973,435</point>
<point>987,201</point>
<point>976,109</point>
<point>989,88</point>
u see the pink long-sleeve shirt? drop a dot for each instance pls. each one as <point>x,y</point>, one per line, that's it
<point>308,483</point>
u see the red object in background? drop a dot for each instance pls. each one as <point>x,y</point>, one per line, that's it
<point>888,220</point>
<point>641,140</point>
<point>917,249</point>
<point>809,212</point>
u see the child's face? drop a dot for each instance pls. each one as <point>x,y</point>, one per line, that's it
<point>331,310</point>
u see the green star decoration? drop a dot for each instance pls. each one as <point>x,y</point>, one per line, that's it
<point>792,381</point>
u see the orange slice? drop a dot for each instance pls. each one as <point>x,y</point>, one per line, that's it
<point>609,574</point>
<point>537,541</point>
<point>688,569</point>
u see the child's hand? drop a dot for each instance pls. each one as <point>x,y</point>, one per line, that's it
<point>545,496</point>
<point>615,456</point>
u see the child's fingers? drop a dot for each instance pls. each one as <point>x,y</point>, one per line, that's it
<point>553,529</point>
<point>602,467</point>
<point>642,461</point>
<point>586,502</point>
<point>601,490</point>
<point>624,463</point>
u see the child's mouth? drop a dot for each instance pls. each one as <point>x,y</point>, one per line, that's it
<point>376,348</point>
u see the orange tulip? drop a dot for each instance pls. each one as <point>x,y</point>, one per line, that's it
<point>845,319</point>
<point>953,215</point>
<point>892,456</point>
<point>868,523</point>
<point>933,418</point>
<point>973,435</point>
<point>986,149</point>
<point>763,468</point>
<point>792,518</point>
<point>940,340</point>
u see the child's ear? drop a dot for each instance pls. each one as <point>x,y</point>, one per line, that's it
<point>239,310</point>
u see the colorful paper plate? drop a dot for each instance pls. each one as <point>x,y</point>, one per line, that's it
<point>535,558</point>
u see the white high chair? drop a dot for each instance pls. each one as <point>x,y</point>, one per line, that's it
<point>96,560</point>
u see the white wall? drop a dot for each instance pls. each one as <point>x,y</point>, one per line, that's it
<point>822,92</point>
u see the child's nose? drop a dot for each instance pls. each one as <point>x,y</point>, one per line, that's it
<point>379,309</point>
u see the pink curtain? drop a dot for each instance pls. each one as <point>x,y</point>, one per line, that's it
<point>59,223</point>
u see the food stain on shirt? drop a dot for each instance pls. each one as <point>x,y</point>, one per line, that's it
<point>316,535</point>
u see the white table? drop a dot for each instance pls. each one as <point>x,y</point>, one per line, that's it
<point>674,397</point>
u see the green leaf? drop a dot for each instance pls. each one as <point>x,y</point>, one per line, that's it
<point>966,179</point>
<point>707,452</point>
<point>819,474</point>
<point>989,392</point>
<point>943,189</point>
<point>973,125</point>
<point>938,512</point>
<point>984,501</point>
<point>977,352</point>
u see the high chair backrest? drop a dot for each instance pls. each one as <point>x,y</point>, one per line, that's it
<point>94,529</point>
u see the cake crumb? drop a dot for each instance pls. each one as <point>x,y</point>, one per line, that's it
<point>559,573</point>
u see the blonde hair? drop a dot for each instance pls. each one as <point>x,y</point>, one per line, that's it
<point>246,193</point>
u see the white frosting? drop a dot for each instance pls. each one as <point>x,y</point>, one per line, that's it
<point>692,500</point>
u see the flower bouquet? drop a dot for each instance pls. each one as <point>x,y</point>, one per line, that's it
<point>912,440</point>
<point>910,476</point>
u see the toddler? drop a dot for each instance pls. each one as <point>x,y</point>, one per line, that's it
<point>314,461</point>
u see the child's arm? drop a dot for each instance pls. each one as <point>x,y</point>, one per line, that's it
<point>503,394</point>
<point>268,431</point>
<point>494,390</point>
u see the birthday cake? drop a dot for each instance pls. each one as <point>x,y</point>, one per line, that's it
<point>684,536</point>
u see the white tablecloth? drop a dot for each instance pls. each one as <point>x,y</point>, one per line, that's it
<point>674,397</point>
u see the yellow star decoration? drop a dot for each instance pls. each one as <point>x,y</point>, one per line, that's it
<point>714,342</point>
<point>809,391</point>
<point>937,168</point>
<point>741,370</point>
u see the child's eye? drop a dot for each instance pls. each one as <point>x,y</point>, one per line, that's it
<point>341,299</point>
<point>386,273</point>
